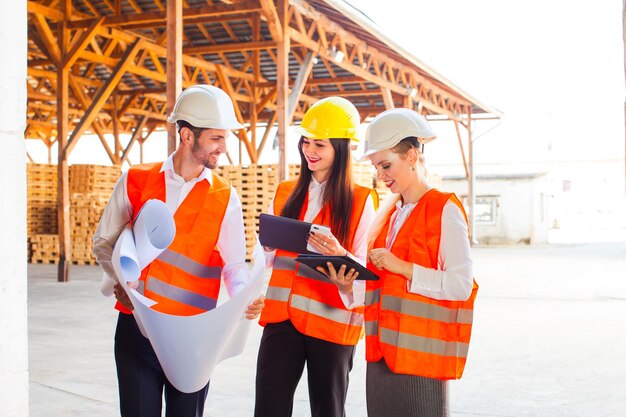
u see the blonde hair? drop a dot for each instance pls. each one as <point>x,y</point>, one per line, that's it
<point>385,210</point>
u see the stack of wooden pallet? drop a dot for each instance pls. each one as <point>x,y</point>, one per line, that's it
<point>90,189</point>
<point>45,248</point>
<point>41,216</point>
<point>255,186</point>
<point>85,212</point>
<point>98,179</point>
<point>41,199</point>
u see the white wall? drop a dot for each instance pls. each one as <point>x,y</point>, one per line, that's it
<point>13,284</point>
<point>521,212</point>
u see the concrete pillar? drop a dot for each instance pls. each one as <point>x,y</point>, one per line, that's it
<point>13,284</point>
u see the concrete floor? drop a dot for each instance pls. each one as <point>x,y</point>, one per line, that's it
<point>549,340</point>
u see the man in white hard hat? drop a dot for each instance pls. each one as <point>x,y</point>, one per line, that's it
<point>209,245</point>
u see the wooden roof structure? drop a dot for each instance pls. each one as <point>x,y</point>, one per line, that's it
<point>117,66</point>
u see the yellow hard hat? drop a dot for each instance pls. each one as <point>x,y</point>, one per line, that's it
<point>331,118</point>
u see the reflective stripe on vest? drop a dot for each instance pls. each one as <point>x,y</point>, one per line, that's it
<point>426,310</point>
<point>423,344</point>
<point>189,265</point>
<point>180,295</point>
<point>278,294</point>
<point>326,311</point>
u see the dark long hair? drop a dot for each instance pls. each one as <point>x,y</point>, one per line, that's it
<point>338,193</point>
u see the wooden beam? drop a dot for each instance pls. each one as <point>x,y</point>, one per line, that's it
<point>44,11</point>
<point>458,135</point>
<point>116,130</point>
<point>299,84</point>
<point>103,94</point>
<point>82,42</point>
<point>273,21</point>
<point>136,135</point>
<point>78,93</point>
<point>282,88</point>
<point>47,37</point>
<point>174,64</point>
<point>387,98</point>
<point>156,18</point>
<point>228,88</point>
<point>230,47</point>
<point>266,134</point>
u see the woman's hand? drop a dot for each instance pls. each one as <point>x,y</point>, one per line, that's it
<point>383,259</point>
<point>254,309</point>
<point>342,279</point>
<point>326,245</point>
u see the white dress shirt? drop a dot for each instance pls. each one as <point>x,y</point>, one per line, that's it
<point>231,242</point>
<point>316,195</point>
<point>452,280</point>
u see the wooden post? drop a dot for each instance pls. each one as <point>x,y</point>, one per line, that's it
<point>63,192</point>
<point>116,130</point>
<point>282,85</point>
<point>174,64</point>
<point>387,98</point>
<point>470,182</point>
<point>256,70</point>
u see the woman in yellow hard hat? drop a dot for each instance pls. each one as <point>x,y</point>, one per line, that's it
<point>419,314</point>
<point>305,316</point>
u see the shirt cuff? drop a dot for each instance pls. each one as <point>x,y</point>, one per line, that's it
<point>106,286</point>
<point>357,298</point>
<point>425,279</point>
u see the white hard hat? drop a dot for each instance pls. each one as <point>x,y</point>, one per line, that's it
<point>391,126</point>
<point>205,106</point>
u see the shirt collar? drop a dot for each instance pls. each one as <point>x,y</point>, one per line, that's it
<point>313,184</point>
<point>168,165</point>
<point>403,207</point>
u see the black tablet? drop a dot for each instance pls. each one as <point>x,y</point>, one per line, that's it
<point>283,233</point>
<point>313,261</point>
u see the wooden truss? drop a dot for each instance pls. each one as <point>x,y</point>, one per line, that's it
<point>104,67</point>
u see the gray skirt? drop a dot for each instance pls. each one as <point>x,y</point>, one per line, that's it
<point>398,395</point>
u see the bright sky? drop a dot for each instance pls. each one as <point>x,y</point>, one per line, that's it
<point>554,68</point>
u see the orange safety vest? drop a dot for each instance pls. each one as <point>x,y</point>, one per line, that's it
<point>298,293</point>
<point>185,279</point>
<point>417,335</point>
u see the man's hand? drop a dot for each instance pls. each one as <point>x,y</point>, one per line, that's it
<point>121,295</point>
<point>254,309</point>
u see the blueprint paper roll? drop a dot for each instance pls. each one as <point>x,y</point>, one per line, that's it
<point>125,258</point>
<point>154,231</point>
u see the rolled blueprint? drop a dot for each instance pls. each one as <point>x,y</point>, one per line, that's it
<point>154,230</point>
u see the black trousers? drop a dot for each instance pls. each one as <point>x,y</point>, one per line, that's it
<point>141,378</point>
<point>282,356</point>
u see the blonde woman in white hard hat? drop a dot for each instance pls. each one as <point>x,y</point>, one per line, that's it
<point>309,320</point>
<point>418,316</point>
<point>209,243</point>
